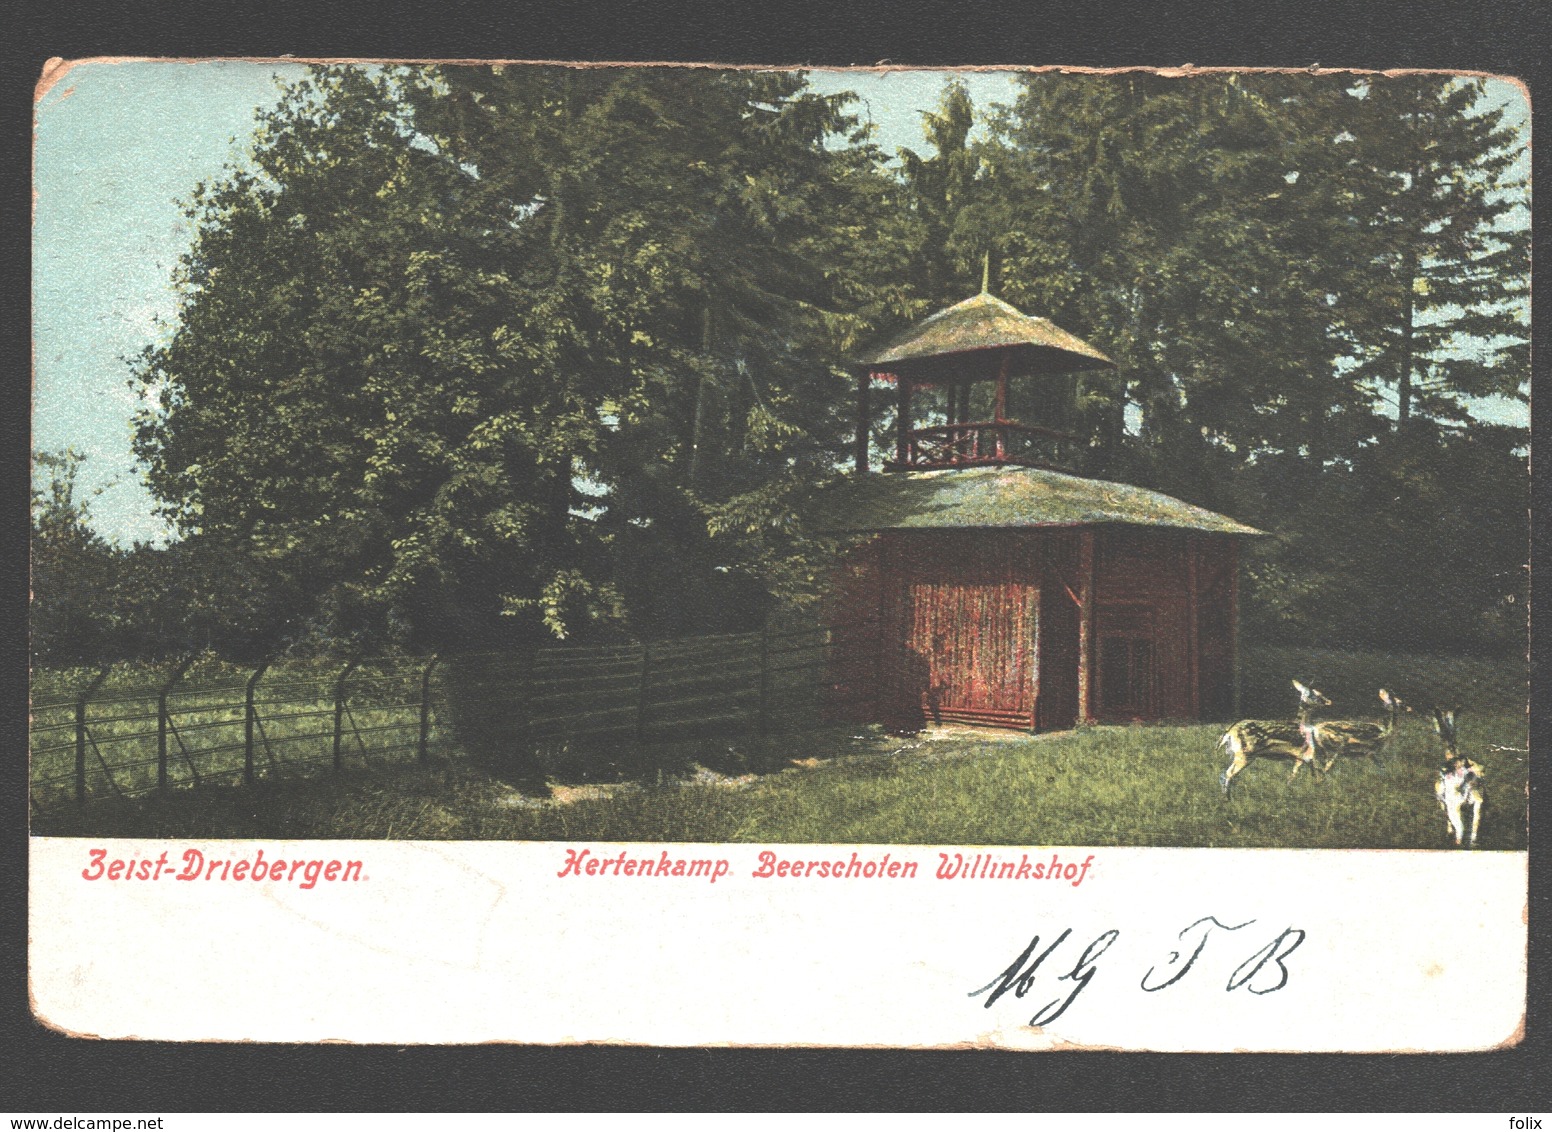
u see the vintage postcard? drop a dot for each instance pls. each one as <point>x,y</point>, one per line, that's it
<point>701,555</point>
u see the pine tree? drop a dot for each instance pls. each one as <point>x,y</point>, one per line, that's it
<point>1269,257</point>
<point>1443,231</point>
<point>948,197</point>
<point>1182,224</point>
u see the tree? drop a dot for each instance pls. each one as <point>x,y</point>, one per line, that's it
<point>530,342</point>
<point>948,196</point>
<point>735,249</point>
<point>1445,241</point>
<point>74,569</point>
<point>1265,256</point>
<point>1417,544</point>
<point>484,353</point>
<point>196,595</point>
<point>1182,223</point>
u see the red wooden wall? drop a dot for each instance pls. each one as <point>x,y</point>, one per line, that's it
<point>989,627</point>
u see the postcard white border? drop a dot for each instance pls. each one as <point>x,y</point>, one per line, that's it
<point>462,942</point>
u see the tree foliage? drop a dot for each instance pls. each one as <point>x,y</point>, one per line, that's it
<point>1445,264</point>
<point>73,567</point>
<point>484,353</point>
<point>549,344</point>
<point>1292,272</point>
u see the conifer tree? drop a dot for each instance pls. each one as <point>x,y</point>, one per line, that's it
<point>1444,241</point>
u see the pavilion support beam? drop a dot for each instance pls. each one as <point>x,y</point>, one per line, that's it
<point>903,421</point>
<point>1000,410</point>
<point>1193,642</point>
<point>1087,644</point>
<point>1234,625</point>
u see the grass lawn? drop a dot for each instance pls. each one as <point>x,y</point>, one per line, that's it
<point>1154,785</point>
<point>293,727</point>
<point>1141,785</point>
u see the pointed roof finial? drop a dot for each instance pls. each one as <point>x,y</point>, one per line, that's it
<point>986,271</point>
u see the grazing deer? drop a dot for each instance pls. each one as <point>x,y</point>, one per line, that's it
<point>1460,781</point>
<point>1356,739</point>
<point>1273,739</point>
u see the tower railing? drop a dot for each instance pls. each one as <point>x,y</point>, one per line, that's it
<point>982,443</point>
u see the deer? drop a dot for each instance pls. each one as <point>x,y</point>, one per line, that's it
<point>1274,739</point>
<point>1460,782</point>
<point>1358,738</point>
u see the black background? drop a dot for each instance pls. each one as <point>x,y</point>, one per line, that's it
<point>43,1072</point>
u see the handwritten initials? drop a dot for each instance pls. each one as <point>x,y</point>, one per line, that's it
<point>1021,980</point>
<point>1253,975</point>
<point>1174,956</point>
<point>1268,954</point>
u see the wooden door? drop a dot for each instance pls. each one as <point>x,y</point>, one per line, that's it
<point>1128,663</point>
<point>971,650</point>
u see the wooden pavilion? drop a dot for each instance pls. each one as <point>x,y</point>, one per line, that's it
<point>994,586</point>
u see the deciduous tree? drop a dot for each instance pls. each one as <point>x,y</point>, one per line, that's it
<point>550,344</point>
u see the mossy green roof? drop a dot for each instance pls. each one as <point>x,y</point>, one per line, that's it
<point>974,335</point>
<point>1004,497</point>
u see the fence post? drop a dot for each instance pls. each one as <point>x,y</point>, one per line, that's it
<point>641,693</point>
<point>161,722</point>
<point>765,676</point>
<point>80,735</point>
<point>339,713</point>
<point>249,719</point>
<point>425,707</point>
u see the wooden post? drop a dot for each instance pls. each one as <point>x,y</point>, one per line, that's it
<point>1034,648</point>
<point>80,746</point>
<point>1234,625</point>
<point>339,714</point>
<point>880,636</point>
<point>1087,649</point>
<point>1000,409</point>
<point>1193,643</point>
<point>864,418</point>
<point>425,709</point>
<point>902,421</point>
<point>250,718</point>
<point>161,722</point>
<point>80,735</point>
<point>641,693</point>
<point>161,741</point>
<point>765,676</point>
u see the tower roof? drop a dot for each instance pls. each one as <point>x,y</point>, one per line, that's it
<point>969,340</point>
<point>1007,497</point>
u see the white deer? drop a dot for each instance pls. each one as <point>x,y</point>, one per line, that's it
<point>1274,739</point>
<point>1460,782</point>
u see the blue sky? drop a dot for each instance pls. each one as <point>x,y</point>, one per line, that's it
<point>118,144</point>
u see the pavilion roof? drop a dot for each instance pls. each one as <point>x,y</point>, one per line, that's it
<point>1006,497</point>
<point>974,336</point>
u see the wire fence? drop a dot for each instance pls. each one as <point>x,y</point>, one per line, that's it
<point>138,729</point>
<point>131,730</point>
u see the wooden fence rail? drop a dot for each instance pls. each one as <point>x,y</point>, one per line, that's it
<point>129,732</point>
